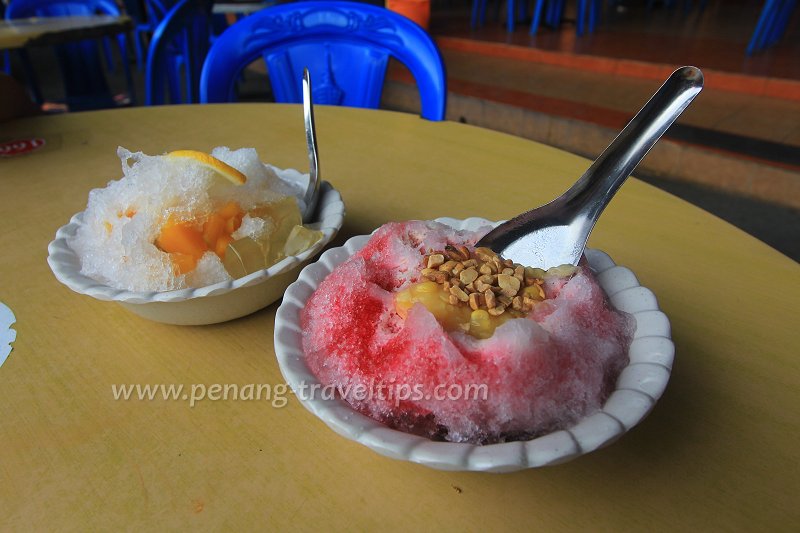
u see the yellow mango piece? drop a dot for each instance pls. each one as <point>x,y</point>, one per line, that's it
<point>182,238</point>
<point>213,228</point>
<point>479,323</point>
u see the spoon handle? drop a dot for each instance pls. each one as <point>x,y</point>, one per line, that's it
<point>312,192</point>
<point>592,192</point>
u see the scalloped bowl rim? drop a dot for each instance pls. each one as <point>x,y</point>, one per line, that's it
<point>63,261</point>
<point>638,387</point>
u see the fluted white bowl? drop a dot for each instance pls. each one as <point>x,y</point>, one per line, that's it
<point>638,387</point>
<point>211,304</point>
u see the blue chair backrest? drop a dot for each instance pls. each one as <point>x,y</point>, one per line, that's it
<point>345,45</point>
<point>180,42</point>
<point>157,9</point>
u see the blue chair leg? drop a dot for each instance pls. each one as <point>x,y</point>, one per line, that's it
<point>762,27</point>
<point>138,47</point>
<point>555,9</point>
<point>783,14</point>
<point>510,16</point>
<point>537,16</point>
<point>579,17</point>
<point>595,7</point>
<point>774,22</point>
<point>769,28</point>
<point>522,10</point>
<point>478,13</point>
<point>587,16</point>
<point>173,80</point>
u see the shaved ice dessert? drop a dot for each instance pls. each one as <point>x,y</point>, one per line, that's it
<point>429,335</point>
<point>189,219</point>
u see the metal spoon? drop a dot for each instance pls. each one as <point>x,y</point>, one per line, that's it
<point>312,192</point>
<point>556,233</point>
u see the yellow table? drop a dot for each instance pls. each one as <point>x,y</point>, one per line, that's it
<point>719,452</point>
<point>19,33</point>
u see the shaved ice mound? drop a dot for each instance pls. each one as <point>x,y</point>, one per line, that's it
<point>543,367</point>
<point>121,239</point>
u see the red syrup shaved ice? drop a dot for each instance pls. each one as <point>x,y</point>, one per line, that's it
<point>421,374</point>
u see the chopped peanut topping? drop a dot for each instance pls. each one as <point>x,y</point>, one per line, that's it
<point>435,260</point>
<point>475,291</point>
<point>482,280</point>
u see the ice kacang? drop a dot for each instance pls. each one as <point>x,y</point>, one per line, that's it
<point>187,219</point>
<point>433,337</point>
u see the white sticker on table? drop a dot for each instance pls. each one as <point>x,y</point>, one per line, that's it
<point>7,335</point>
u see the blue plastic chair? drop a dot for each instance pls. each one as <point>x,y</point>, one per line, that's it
<point>81,69</point>
<point>345,45</point>
<point>177,52</point>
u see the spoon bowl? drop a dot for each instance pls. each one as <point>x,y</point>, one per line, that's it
<point>556,233</point>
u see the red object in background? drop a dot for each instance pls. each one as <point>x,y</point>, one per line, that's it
<point>20,146</point>
<point>417,10</point>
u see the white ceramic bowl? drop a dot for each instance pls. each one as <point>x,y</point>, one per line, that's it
<point>639,386</point>
<point>204,305</point>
